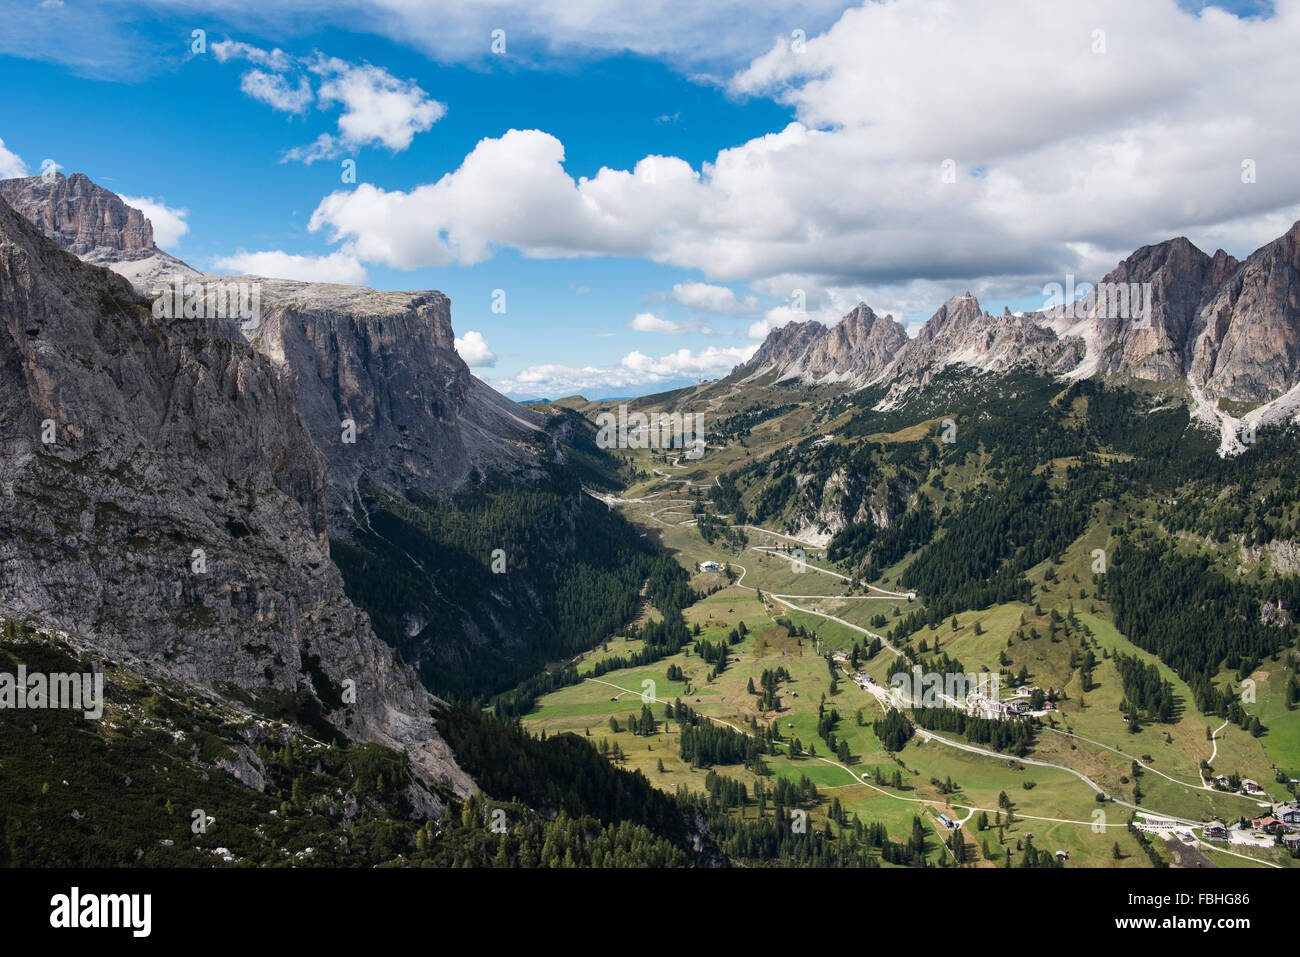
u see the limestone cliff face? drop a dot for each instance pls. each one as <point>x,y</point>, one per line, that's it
<point>1145,313</point>
<point>163,502</point>
<point>394,412</point>
<point>1248,343</point>
<point>87,220</point>
<point>387,363</point>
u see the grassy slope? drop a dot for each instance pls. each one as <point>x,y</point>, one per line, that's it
<point>1054,793</point>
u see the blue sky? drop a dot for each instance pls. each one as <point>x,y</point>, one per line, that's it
<point>799,158</point>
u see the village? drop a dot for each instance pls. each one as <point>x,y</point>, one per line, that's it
<point>979,696</point>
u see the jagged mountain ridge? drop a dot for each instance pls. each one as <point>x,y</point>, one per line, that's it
<point>177,520</point>
<point>857,349</point>
<point>1231,328</point>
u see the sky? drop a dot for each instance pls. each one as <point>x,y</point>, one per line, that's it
<point>622,198</point>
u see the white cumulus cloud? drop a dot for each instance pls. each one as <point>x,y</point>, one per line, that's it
<point>11,165</point>
<point>276,60</point>
<point>707,297</point>
<point>337,267</point>
<point>169,223</point>
<point>473,348</point>
<point>932,141</point>
<point>634,369</point>
<point>277,92</point>
<point>377,108</point>
<point>705,362</point>
<point>649,322</point>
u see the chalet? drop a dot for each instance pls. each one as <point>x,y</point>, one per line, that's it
<point>1251,787</point>
<point>1214,831</point>
<point>1269,824</point>
<point>1291,840</point>
<point>1062,855</point>
<point>1221,781</point>
<point>947,822</point>
<point>1288,812</point>
<point>708,566</point>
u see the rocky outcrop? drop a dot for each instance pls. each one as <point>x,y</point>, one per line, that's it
<point>960,333</point>
<point>1139,321</point>
<point>386,362</point>
<point>1247,345</point>
<point>87,220</point>
<point>163,502</point>
<point>856,349</point>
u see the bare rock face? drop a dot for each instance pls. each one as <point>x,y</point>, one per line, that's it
<point>862,344</point>
<point>386,362</point>
<point>784,349</point>
<point>395,415</point>
<point>87,220</point>
<point>1141,318</point>
<point>960,333</point>
<point>857,349</point>
<point>163,503</point>
<point>1248,342</point>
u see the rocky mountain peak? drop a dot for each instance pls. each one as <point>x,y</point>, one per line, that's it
<point>1246,342</point>
<point>384,361</point>
<point>87,220</point>
<point>858,347</point>
<point>957,312</point>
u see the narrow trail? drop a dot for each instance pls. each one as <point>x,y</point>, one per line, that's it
<point>1142,764</point>
<point>1214,753</point>
<point>883,592</point>
<point>769,531</point>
